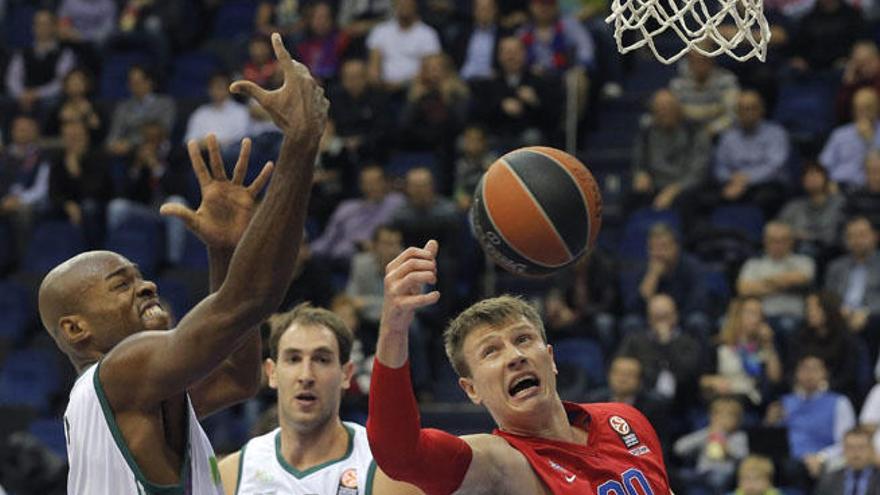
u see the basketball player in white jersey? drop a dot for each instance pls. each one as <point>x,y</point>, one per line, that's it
<point>132,420</point>
<point>312,451</point>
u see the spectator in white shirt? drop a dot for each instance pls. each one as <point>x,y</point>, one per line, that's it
<point>397,46</point>
<point>224,117</point>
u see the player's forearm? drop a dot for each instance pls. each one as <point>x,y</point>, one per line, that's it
<point>262,265</point>
<point>392,348</point>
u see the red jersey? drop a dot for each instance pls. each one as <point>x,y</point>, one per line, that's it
<point>622,455</point>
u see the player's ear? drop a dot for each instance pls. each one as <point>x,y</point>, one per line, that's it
<point>552,359</point>
<point>73,329</point>
<point>269,369</point>
<point>467,385</point>
<point>347,373</point>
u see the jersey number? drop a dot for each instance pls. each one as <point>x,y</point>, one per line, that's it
<point>633,482</point>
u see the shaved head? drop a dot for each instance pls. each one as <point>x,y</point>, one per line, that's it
<point>91,302</point>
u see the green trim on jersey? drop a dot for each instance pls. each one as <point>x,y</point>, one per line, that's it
<point>140,479</point>
<point>302,474</point>
<point>240,468</point>
<point>371,474</point>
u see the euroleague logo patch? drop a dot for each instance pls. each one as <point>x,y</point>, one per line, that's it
<point>624,431</point>
<point>348,482</point>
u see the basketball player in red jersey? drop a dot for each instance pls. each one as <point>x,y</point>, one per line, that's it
<point>499,349</point>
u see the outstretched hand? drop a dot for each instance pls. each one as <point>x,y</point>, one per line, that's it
<point>298,107</point>
<point>405,279</point>
<point>227,206</point>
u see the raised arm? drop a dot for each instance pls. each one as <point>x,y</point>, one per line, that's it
<point>149,367</point>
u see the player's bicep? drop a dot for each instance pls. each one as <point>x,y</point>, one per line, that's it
<point>493,464</point>
<point>229,470</point>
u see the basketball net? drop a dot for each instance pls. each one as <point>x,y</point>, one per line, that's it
<point>737,28</point>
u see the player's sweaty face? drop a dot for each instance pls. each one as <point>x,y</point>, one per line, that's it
<point>512,369</point>
<point>308,376</point>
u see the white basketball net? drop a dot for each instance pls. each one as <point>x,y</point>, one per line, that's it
<point>697,22</point>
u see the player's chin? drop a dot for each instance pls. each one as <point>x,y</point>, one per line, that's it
<point>157,323</point>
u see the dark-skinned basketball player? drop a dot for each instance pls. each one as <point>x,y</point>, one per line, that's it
<point>499,349</point>
<point>132,420</point>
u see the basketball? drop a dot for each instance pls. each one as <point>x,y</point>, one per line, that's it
<point>536,210</point>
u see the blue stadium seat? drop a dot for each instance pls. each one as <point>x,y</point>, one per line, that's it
<point>7,247</point>
<point>51,243</point>
<point>401,162</point>
<point>633,244</point>
<point>718,289</point>
<point>190,75</point>
<point>584,354</point>
<point>141,242</point>
<point>15,306</point>
<point>743,218</point>
<point>803,107</point>
<point>51,433</point>
<point>235,19</point>
<point>195,255</point>
<point>29,377</point>
<point>176,294</point>
<point>113,84</point>
<point>19,22</point>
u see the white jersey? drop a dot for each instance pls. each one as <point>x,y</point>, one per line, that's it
<point>262,469</point>
<point>100,462</point>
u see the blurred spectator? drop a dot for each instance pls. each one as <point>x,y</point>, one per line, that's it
<point>34,74</point>
<point>24,179</point>
<point>859,476</point>
<point>582,301</point>
<point>746,359</point>
<point>223,117</point>
<point>716,449</point>
<point>354,221</point>
<point>869,417</point>
<point>669,271</point>
<point>751,156</point>
<point>261,64</point>
<point>79,182</point>
<point>671,358</point>
<point>825,335</point>
<point>311,281</point>
<point>358,17</point>
<point>815,219</point>
<point>323,44</point>
<point>755,477</point>
<point>778,278</point>
<point>366,280</point>
<point>625,384</point>
<point>669,156</point>
<point>398,45</point>
<point>474,159</point>
<point>518,106</point>
<point>865,201</point>
<point>143,106</point>
<point>846,149</point>
<point>862,70</point>
<point>426,215</point>
<point>148,183</point>
<point>435,110</point>
<point>152,26</point>
<point>855,278</point>
<point>708,93</point>
<point>77,104</point>
<point>279,16</point>
<point>476,48</point>
<point>91,21</point>
<point>828,20</point>
<point>556,43</point>
<point>361,113</point>
<point>816,418</point>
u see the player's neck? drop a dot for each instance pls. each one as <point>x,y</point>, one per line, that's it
<point>556,427</point>
<point>304,450</point>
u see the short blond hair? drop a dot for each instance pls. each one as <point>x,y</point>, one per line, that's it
<point>491,312</point>
<point>759,464</point>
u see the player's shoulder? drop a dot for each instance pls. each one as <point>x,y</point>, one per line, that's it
<point>615,414</point>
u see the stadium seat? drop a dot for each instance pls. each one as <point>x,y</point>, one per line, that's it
<point>19,22</point>
<point>190,75</point>
<point>745,219</point>
<point>195,256</point>
<point>51,433</point>
<point>29,377</point>
<point>808,96</point>
<point>141,242</point>
<point>113,83</point>
<point>234,19</point>
<point>633,244</point>
<point>51,243</point>
<point>176,294</point>
<point>16,309</point>
<point>583,354</point>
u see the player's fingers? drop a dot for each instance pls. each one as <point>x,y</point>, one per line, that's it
<point>419,301</point>
<point>412,283</point>
<point>260,182</point>
<point>284,59</point>
<point>198,164</point>
<point>180,211</point>
<point>215,160</point>
<point>410,252</point>
<point>249,89</point>
<point>432,247</point>
<point>241,165</point>
<point>413,265</point>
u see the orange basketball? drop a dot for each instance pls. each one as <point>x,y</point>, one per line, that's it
<point>536,210</point>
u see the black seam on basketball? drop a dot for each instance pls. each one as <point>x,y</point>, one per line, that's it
<point>543,214</point>
<point>522,163</point>
<point>540,208</point>
<point>580,190</point>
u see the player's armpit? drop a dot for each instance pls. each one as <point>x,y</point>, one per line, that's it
<point>229,468</point>
<point>387,486</point>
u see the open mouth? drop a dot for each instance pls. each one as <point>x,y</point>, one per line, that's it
<point>524,385</point>
<point>306,398</point>
<point>152,310</point>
